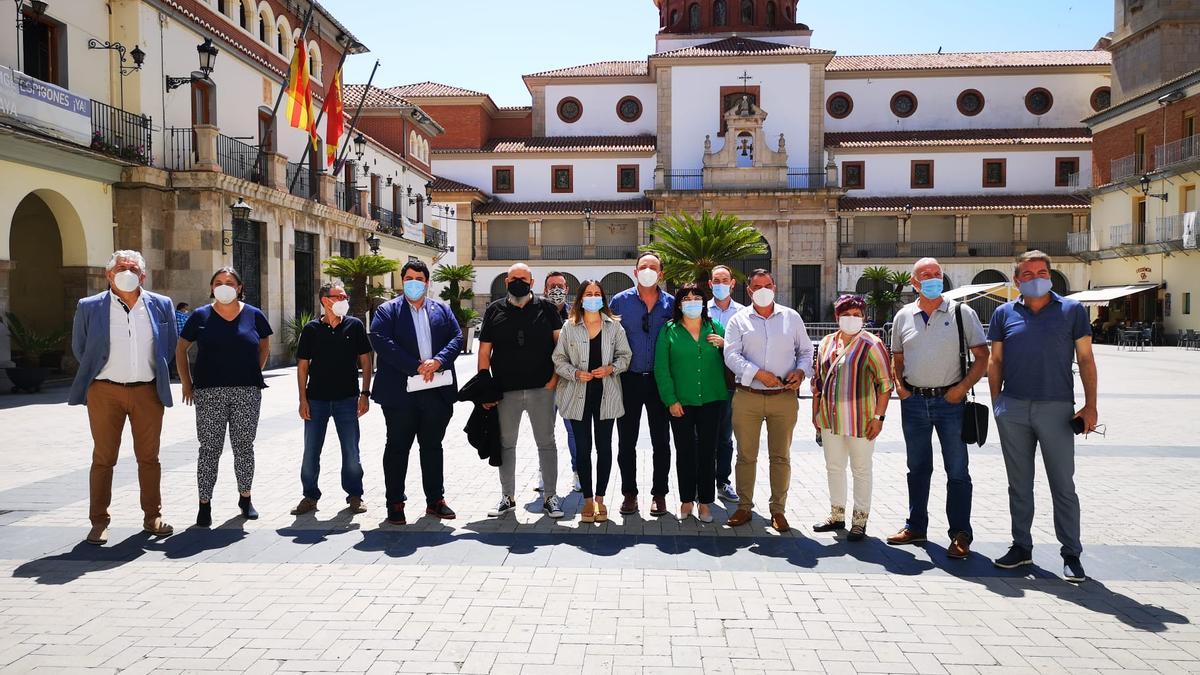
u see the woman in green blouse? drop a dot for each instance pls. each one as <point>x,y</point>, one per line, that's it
<point>690,373</point>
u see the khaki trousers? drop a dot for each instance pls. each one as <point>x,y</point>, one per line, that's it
<point>108,407</point>
<point>780,412</point>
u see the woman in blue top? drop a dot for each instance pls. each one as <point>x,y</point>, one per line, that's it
<point>232,350</point>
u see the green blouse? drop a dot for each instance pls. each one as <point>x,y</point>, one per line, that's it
<point>689,372</point>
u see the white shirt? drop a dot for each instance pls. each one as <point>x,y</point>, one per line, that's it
<point>130,343</point>
<point>722,316</point>
<point>420,319</point>
<point>777,343</point>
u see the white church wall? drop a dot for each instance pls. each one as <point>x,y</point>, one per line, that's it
<point>599,103</point>
<point>961,173</point>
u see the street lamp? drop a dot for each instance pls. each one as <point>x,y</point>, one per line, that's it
<point>373,243</point>
<point>240,212</point>
<point>360,146</point>
<point>207,52</point>
<point>1145,183</point>
<point>139,57</point>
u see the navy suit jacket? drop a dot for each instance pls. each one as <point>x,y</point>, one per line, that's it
<point>395,342</point>
<point>89,341</point>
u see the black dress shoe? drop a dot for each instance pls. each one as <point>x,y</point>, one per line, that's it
<point>248,511</point>
<point>204,516</point>
<point>440,510</point>
<point>830,526</point>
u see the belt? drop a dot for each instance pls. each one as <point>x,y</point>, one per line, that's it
<point>765,392</point>
<point>929,392</point>
<point>634,372</point>
<point>126,384</point>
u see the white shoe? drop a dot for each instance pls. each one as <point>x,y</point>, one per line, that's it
<point>506,504</point>
<point>553,507</point>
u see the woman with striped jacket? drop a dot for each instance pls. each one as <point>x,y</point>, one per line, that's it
<point>592,351</point>
<point>851,390</point>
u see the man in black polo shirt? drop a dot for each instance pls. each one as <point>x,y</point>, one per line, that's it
<point>516,340</point>
<point>332,351</point>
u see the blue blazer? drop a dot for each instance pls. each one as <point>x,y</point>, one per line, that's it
<point>89,341</point>
<point>395,342</point>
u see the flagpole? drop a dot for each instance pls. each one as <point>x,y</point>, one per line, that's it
<point>282,90</point>
<point>354,120</point>
<point>317,123</point>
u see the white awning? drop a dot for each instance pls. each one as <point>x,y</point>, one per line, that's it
<point>1000,290</point>
<point>1106,294</point>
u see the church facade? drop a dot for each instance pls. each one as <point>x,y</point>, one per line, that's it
<point>840,162</point>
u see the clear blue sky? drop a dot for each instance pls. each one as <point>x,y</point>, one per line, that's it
<point>487,45</point>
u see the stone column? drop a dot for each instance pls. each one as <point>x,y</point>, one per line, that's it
<point>846,237</point>
<point>903,236</point>
<point>535,238</point>
<point>206,147</point>
<point>589,239</point>
<point>962,234</point>
<point>643,231</point>
<point>829,272</point>
<point>481,239</point>
<point>327,189</point>
<point>1020,229</point>
<point>276,170</point>
<point>363,207</point>
<point>781,258</point>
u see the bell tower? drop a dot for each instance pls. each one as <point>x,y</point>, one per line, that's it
<point>1154,41</point>
<point>716,19</point>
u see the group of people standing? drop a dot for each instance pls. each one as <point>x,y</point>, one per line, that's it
<point>704,369</point>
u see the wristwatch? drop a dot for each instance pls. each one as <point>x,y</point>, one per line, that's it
<point>878,417</point>
<point>365,392</point>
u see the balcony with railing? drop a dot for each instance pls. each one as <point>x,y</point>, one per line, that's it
<point>179,151</point>
<point>1079,242</point>
<point>932,249</point>
<point>562,251</point>
<point>240,160</point>
<point>1126,167</point>
<point>298,180</point>
<point>436,238</point>
<point>990,249</point>
<point>344,198</point>
<point>797,178</point>
<point>684,180</point>
<point>616,251</point>
<point>1122,235</point>
<point>121,134</point>
<point>805,178</point>
<point>388,221</point>
<point>507,252</point>
<point>1177,152</point>
<point>1051,247</point>
<point>1169,229</point>
<point>870,250</point>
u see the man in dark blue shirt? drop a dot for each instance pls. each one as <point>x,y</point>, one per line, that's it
<point>1035,339</point>
<point>644,310</point>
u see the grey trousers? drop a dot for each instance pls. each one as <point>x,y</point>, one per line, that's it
<point>539,404</point>
<point>1023,425</point>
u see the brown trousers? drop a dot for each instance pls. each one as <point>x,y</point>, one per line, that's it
<point>108,407</point>
<point>780,412</point>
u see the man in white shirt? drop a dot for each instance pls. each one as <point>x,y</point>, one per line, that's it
<point>721,309</point>
<point>123,339</point>
<point>770,354</point>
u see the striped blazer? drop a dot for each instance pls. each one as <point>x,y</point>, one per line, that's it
<point>571,355</point>
<point>850,383</point>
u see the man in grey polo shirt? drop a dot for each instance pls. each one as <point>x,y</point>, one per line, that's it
<point>932,389</point>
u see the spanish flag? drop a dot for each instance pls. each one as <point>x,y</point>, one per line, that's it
<point>334,118</point>
<point>299,93</point>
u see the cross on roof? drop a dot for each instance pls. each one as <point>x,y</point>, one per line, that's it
<point>745,78</point>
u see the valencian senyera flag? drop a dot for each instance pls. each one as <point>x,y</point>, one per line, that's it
<point>299,93</point>
<point>334,122</point>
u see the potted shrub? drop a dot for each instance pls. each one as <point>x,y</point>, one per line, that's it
<point>28,349</point>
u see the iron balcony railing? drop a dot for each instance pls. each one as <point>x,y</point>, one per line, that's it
<point>1049,247</point>
<point>1073,180</point>
<point>872,250</point>
<point>121,134</point>
<point>684,180</point>
<point>179,151</point>
<point>798,178</point>
<point>239,159</point>
<point>932,249</point>
<point>805,178</point>
<point>990,249</point>
<point>1121,235</point>
<point>1126,167</point>
<point>436,238</point>
<point>1170,228</point>
<point>388,222</point>
<point>345,199</point>
<point>1079,242</point>
<point>616,251</point>
<point>1186,149</point>
<point>301,186</point>
<point>508,252</point>
<point>562,251</point>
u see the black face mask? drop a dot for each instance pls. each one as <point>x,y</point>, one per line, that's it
<point>518,288</point>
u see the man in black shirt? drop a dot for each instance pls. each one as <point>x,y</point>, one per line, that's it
<point>516,341</point>
<point>332,351</point>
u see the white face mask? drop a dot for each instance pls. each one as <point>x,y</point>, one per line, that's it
<point>126,281</point>
<point>225,294</point>
<point>850,325</point>
<point>647,277</point>
<point>341,308</point>
<point>763,297</point>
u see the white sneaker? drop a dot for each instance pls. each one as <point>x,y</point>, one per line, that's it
<point>506,504</point>
<point>577,487</point>
<point>553,507</point>
<point>541,485</point>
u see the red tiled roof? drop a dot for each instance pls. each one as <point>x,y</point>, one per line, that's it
<point>515,108</point>
<point>1006,202</point>
<point>951,137</point>
<point>440,184</point>
<point>644,143</point>
<point>376,97</point>
<point>1076,57</point>
<point>497,207</point>
<point>739,46</point>
<point>432,89</point>
<point>601,69</point>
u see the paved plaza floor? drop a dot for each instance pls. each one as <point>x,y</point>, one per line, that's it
<point>331,591</point>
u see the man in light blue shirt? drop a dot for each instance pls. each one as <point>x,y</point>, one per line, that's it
<point>721,309</point>
<point>770,354</point>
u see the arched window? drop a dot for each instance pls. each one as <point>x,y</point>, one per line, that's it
<point>1059,283</point>
<point>771,14</point>
<point>265,24</point>
<point>747,12</point>
<point>615,282</point>
<point>694,17</point>
<point>720,13</point>
<point>315,64</point>
<point>985,305</point>
<point>674,17</point>
<point>279,41</point>
<point>500,286</point>
<point>223,7</point>
<point>244,16</point>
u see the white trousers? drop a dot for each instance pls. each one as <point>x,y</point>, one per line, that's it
<point>858,453</point>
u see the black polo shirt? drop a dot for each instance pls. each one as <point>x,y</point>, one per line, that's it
<point>522,340</point>
<point>332,353</point>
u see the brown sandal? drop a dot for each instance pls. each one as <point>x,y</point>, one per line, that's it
<point>601,513</point>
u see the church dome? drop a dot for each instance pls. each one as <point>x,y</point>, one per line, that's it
<point>681,17</point>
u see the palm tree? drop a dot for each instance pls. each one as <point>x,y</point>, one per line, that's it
<point>882,295</point>
<point>454,294</point>
<point>357,274</point>
<point>690,248</point>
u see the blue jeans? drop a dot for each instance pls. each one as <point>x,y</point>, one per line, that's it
<point>920,417</point>
<point>571,444</point>
<point>725,443</point>
<point>345,419</point>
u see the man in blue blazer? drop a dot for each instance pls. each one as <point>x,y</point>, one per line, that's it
<point>415,337</point>
<point>123,339</point>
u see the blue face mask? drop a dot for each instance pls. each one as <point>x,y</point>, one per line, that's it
<point>1035,288</point>
<point>720,291</point>
<point>932,288</point>
<point>692,308</point>
<point>414,289</point>
<point>593,303</point>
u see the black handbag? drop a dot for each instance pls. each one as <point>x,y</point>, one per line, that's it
<point>975,415</point>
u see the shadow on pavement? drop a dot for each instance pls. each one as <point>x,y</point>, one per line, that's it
<point>83,558</point>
